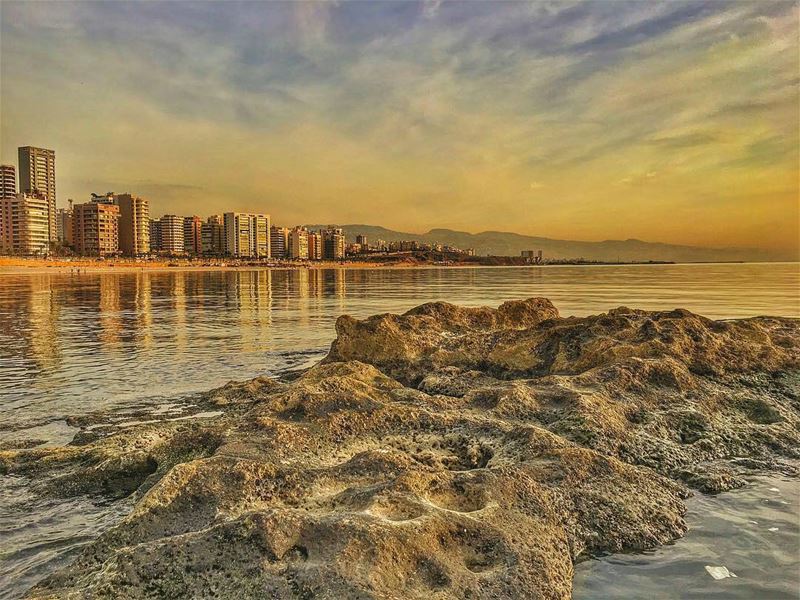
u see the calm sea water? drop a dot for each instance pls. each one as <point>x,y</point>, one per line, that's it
<point>71,345</point>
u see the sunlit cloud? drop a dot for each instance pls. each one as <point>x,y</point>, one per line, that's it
<point>418,115</point>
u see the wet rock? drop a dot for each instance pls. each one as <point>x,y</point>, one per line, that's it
<point>448,452</point>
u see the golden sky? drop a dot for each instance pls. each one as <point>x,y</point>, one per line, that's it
<point>673,122</point>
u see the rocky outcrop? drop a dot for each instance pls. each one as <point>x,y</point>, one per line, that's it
<point>445,453</point>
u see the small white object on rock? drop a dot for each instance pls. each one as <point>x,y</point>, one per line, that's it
<point>753,522</point>
<point>773,529</point>
<point>773,489</point>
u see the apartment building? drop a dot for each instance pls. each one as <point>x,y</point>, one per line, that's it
<point>279,242</point>
<point>25,224</point>
<point>172,234</point>
<point>95,228</point>
<point>64,226</point>
<point>333,243</point>
<point>213,237</point>
<point>37,175</point>
<point>314,245</point>
<point>298,243</point>
<point>193,235</point>
<point>134,224</point>
<point>155,235</point>
<point>247,235</point>
<point>8,181</point>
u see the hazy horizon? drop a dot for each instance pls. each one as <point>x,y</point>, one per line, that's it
<point>670,122</point>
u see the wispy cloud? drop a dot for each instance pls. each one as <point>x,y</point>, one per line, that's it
<point>399,111</point>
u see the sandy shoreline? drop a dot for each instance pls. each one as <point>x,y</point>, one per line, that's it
<point>42,266</point>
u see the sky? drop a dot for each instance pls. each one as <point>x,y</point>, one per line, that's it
<point>663,121</point>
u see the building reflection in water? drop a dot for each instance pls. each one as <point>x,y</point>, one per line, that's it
<point>143,311</point>
<point>178,297</point>
<point>111,315</point>
<point>110,318</point>
<point>39,323</point>
<point>255,308</point>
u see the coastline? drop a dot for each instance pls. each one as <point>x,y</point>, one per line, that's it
<point>10,265</point>
<point>42,266</point>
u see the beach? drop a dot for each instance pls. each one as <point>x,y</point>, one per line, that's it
<point>121,265</point>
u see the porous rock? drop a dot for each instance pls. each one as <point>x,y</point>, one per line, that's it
<point>445,453</point>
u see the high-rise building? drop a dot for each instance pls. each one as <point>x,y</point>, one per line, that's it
<point>361,240</point>
<point>212,236</point>
<point>155,235</point>
<point>298,243</point>
<point>64,226</point>
<point>134,224</point>
<point>37,173</point>
<point>247,235</point>
<point>333,243</point>
<point>95,228</point>
<point>193,235</point>
<point>314,245</point>
<point>25,224</point>
<point>8,181</point>
<point>8,186</point>
<point>172,234</point>
<point>279,242</point>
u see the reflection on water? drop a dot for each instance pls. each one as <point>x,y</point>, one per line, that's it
<point>39,535</point>
<point>753,532</point>
<point>76,344</point>
<point>73,344</point>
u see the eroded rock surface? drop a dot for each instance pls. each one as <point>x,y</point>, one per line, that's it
<point>444,453</point>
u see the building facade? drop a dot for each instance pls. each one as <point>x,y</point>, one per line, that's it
<point>212,234</point>
<point>25,224</point>
<point>193,235</point>
<point>361,240</point>
<point>64,226</point>
<point>333,243</point>
<point>8,189</point>
<point>314,245</point>
<point>95,229</point>
<point>155,235</point>
<point>172,234</point>
<point>279,242</point>
<point>298,243</point>
<point>8,181</point>
<point>37,174</point>
<point>134,224</point>
<point>247,235</point>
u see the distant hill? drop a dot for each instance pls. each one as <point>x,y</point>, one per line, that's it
<point>500,243</point>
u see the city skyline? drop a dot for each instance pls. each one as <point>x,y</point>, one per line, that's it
<point>670,122</point>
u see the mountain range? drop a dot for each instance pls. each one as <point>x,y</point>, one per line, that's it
<point>499,243</point>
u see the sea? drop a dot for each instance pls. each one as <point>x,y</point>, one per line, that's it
<point>144,342</point>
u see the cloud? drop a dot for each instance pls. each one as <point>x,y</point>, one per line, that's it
<point>430,8</point>
<point>686,140</point>
<point>315,108</point>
